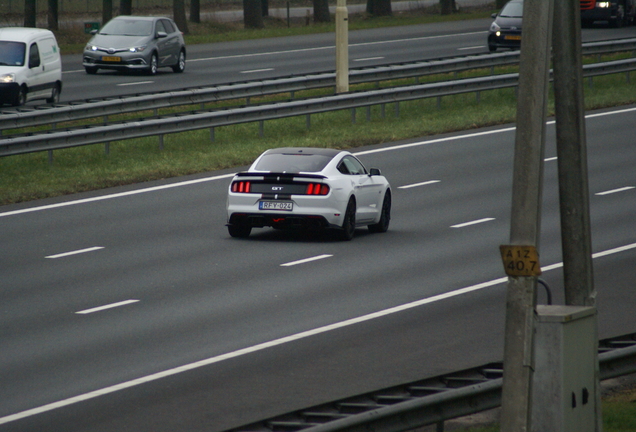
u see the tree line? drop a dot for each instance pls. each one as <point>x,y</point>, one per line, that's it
<point>253,11</point>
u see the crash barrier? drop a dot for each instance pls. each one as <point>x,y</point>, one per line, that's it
<point>429,401</point>
<point>86,135</point>
<point>42,115</point>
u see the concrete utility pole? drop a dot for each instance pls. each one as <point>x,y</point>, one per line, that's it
<point>576,237</point>
<point>342,47</point>
<point>527,186</point>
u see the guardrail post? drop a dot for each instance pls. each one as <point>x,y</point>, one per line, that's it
<point>50,157</point>
<point>160,142</point>
<point>212,134</point>
<point>397,109</point>
<point>369,113</point>
<point>353,116</point>
<point>308,121</point>
<point>107,148</point>
<point>382,110</point>
<point>261,127</point>
<point>439,102</point>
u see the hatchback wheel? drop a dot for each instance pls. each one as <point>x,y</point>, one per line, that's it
<point>180,66</point>
<point>154,65</point>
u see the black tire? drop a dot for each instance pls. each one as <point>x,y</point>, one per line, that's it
<point>239,230</point>
<point>154,65</point>
<point>492,48</point>
<point>90,70</point>
<point>55,95</point>
<point>349,223</point>
<point>20,98</point>
<point>385,218</point>
<point>180,66</point>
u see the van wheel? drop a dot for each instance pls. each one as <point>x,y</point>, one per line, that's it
<point>55,95</point>
<point>90,70</point>
<point>21,97</point>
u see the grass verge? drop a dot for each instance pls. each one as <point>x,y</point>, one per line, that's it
<point>28,177</point>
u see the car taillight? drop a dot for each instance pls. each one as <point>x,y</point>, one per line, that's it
<point>317,189</point>
<point>241,187</point>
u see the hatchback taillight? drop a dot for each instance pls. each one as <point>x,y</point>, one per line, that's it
<point>241,187</point>
<point>317,189</point>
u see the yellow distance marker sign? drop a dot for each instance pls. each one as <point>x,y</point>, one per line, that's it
<point>520,260</point>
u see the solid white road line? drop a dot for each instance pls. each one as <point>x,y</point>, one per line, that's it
<point>277,342</point>
<point>116,195</point>
<point>613,191</point>
<point>81,251</point>
<point>550,159</point>
<point>306,260</point>
<point>108,306</point>
<point>475,222</point>
<point>135,83</point>
<point>257,70</point>
<point>419,184</point>
<point>379,150</point>
<point>471,48</point>
<point>368,59</point>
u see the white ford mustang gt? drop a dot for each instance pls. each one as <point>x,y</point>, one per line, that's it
<point>308,188</point>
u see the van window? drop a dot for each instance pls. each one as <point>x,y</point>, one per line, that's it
<point>34,56</point>
<point>12,53</point>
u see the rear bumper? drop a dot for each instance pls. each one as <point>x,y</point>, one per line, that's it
<point>280,220</point>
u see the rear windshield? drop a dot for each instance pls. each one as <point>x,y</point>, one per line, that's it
<point>127,27</point>
<point>292,162</point>
<point>12,53</point>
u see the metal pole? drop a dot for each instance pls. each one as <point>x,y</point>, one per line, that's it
<point>342,47</point>
<point>576,237</point>
<point>525,226</point>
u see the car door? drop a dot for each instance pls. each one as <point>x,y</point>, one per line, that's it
<point>35,76</point>
<point>366,189</point>
<point>169,46</point>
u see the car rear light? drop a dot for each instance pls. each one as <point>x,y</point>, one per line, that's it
<point>241,187</point>
<point>317,189</point>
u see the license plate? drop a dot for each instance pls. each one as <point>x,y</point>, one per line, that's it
<point>512,37</point>
<point>111,59</point>
<point>276,205</point>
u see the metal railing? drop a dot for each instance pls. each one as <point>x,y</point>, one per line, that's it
<point>126,104</point>
<point>58,139</point>
<point>430,401</point>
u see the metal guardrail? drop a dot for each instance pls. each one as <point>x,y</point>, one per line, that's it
<point>126,104</point>
<point>430,401</point>
<point>53,140</point>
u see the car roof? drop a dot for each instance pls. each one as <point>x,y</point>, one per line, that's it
<point>22,34</point>
<point>143,18</point>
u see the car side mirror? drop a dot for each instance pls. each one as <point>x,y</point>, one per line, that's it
<point>493,16</point>
<point>374,172</point>
<point>161,35</point>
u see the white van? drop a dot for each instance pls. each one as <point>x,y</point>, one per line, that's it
<point>30,66</point>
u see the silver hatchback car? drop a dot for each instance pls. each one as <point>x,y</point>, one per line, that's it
<point>136,43</point>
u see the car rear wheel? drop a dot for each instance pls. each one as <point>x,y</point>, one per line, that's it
<point>239,230</point>
<point>180,66</point>
<point>385,218</point>
<point>349,223</point>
